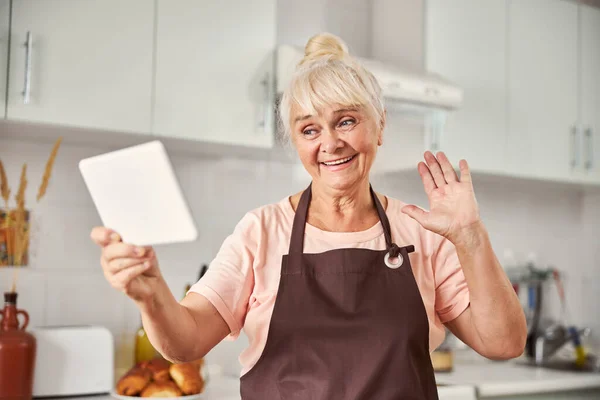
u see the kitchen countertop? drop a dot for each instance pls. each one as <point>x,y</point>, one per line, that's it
<point>227,388</point>
<point>221,388</point>
<point>472,373</point>
<point>504,378</point>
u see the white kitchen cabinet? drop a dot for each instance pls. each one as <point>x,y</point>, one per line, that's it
<point>88,63</point>
<point>214,71</point>
<point>542,88</point>
<point>4,36</point>
<point>466,43</point>
<point>590,90</point>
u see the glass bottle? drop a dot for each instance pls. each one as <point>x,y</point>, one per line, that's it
<point>144,351</point>
<point>17,352</point>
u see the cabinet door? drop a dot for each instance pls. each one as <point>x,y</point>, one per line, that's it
<point>88,64</point>
<point>4,34</point>
<point>466,43</point>
<point>590,89</point>
<point>214,71</point>
<point>542,94</point>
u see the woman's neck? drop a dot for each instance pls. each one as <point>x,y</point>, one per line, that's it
<point>342,211</point>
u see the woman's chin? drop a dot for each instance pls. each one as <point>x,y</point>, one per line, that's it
<point>340,182</point>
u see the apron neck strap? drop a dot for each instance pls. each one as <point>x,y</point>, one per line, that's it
<point>297,239</point>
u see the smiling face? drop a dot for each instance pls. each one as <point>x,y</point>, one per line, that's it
<point>333,112</point>
<point>336,145</point>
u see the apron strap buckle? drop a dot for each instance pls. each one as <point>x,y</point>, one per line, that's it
<point>393,258</point>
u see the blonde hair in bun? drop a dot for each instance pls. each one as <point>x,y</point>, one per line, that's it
<point>324,45</point>
<point>329,75</point>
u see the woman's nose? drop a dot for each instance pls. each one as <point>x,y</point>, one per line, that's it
<point>330,142</point>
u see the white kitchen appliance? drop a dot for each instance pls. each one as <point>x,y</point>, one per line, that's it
<point>405,87</point>
<point>73,360</point>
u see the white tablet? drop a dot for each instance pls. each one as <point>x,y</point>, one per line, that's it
<point>137,194</point>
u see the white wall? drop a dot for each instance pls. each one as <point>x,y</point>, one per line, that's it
<point>398,33</point>
<point>297,21</point>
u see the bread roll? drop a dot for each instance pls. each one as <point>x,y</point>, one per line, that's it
<point>159,368</point>
<point>161,389</point>
<point>187,376</point>
<point>133,382</point>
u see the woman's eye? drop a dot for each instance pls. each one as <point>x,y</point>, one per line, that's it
<point>308,132</point>
<point>346,122</point>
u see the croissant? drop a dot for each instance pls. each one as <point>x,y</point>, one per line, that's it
<point>134,381</point>
<point>159,368</point>
<point>187,376</point>
<point>161,389</point>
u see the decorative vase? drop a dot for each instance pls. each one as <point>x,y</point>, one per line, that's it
<point>17,352</point>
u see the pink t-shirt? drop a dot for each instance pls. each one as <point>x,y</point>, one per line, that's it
<point>242,280</point>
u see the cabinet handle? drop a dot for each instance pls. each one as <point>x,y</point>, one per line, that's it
<point>589,137</point>
<point>574,152</point>
<point>434,137</point>
<point>438,122</point>
<point>266,103</point>
<point>27,87</point>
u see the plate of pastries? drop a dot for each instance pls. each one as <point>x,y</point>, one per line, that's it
<point>161,378</point>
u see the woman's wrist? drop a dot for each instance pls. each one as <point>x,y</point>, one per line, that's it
<point>156,300</point>
<point>470,238</point>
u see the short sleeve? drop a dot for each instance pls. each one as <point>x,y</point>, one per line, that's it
<point>229,280</point>
<point>452,292</point>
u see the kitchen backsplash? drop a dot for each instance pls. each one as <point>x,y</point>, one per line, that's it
<point>64,283</point>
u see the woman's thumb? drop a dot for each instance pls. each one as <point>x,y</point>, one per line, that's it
<point>415,213</point>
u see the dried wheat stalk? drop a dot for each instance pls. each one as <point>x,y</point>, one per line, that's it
<point>4,189</point>
<point>20,229</point>
<point>48,170</point>
<point>17,222</point>
<point>20,196</point>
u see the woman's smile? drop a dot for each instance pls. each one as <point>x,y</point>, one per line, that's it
<point>338,164</point>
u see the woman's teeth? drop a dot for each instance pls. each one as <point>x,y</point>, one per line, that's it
<point>340,161</point>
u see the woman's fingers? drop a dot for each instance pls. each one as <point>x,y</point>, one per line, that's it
<point>447,169</point>
<point>436,170</point>
<point>428,182</point>
<point>465,173</point>
<point>123,250</point>
<point>103,236</point>
<point>122,279</point>
<point>119,264</point>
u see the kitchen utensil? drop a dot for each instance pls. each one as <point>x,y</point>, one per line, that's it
<point>580,356</point>
<point>137,194</point>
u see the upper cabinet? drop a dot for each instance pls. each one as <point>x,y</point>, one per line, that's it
<point>4,35</point>
<point>529,70</point>
<point>214,71</point>
<point>466,43</point>
<point>82,63</point>
<point>590,91</point>
<point>544,139</point>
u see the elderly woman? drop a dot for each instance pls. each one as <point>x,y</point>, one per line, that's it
<point>343,292</point>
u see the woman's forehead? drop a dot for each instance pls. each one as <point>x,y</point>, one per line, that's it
<point>330,110</point>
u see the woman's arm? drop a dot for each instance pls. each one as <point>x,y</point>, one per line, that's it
<point>179,331</point>
<point>494,323</point>
<point>184,331</point>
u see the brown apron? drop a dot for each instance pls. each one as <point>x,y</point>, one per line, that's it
<point>346,324</point>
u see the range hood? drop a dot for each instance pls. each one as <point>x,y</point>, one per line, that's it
<point>419,91</point>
